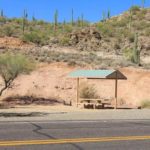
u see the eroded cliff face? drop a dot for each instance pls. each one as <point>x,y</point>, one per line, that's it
<point>51,81</point>
<point>88,39</point>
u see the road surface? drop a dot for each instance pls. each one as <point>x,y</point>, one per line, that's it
<point>75,135</point>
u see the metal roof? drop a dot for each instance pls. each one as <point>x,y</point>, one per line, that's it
<point>97,74</point>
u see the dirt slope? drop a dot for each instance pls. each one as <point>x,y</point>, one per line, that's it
<point>52,81</point>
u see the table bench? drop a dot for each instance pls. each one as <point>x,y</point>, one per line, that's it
<point>94,103</point>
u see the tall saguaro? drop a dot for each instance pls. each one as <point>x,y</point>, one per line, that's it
<point>136,50</point>
<point>82,20</point>
<point>2,13</point>
<point>143,3</point>
<point>116,91</point>
<point>72,17</point>
<point>55,20</point>
<point>25,16</point>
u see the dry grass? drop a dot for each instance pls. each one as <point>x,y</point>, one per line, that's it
<point>145,104</point>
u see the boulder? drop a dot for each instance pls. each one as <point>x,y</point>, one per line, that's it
<point>86,39</point>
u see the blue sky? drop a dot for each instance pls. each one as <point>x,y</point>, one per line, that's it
<point>44,9</point>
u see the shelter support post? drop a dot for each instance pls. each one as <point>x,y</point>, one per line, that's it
<point>77,101</point>
<point>116,91</point>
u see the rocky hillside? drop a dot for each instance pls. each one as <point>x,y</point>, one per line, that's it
<point>109,42</point>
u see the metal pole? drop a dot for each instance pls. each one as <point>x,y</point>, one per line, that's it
<point>116,90</point>
<point>77,92</point>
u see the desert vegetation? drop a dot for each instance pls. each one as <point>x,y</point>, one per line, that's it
<point>145,104</point>
<point>88,91</point>
<point>11,66</point>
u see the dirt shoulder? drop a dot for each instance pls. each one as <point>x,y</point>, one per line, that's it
<point>66,113</point>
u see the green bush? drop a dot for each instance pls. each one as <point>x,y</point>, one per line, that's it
<point>11,66</point>
<point>8,31</point>
<point>128,53</point>
<point>64,41</point>
<point>3,20</point>
<point>35,37</point>
<point>88,91</point>
<point>106,29</point>
<point>147,32</point>
<point>122,23</point>
<point>145,104</point>
<point>117,46</point>
<point>141,25</point>
<point>17,20</point>
<point>131,38</point>
<point>135,9</point>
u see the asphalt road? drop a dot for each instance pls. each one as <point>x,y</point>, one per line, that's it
<point>75,135</point>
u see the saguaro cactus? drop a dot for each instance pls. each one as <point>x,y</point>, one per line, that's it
<point>2,13</point>
<point>82,20</point>
<point>55,20</point>
<point>130,19</point>
<point>64,25</point>
<point>143,3</point>
<point>25,16</point>
<point>72,17</point>
<point>103,16</point>
<point>136,50</point>
<point>108,14</point>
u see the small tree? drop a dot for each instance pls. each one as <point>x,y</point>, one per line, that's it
<point>11,66</point>
<point>88,91</point>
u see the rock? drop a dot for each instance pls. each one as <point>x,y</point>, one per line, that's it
<point>54,40</point>
<point>86,39</point>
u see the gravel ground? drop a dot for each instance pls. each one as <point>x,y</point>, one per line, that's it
<point>66,113</point>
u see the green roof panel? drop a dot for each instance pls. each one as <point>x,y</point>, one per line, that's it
<point>91,73</point>
<point>101,74</point>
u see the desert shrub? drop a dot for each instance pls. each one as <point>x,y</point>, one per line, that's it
<point>146,66</point>
<point>145,104</point>
<point>147,32</point>
<point>88,91</point>
<point>117,46</point>
<point>135,9</point>
<point>131,37</point>
<point>106,29</point>
<point>35,37</point>
<point>122,23</point>
<point>141,25</point>
<point>8,31</point>
<point>40,22</point>
<point>128,53</point>
<point>140,15</point>
<point>125,32</point>
<point>64,41</point>
<point>68,28</point>
<point>3,20</point>
<point>17,20</point>
<point>72,63</point>
<point>11,66</point>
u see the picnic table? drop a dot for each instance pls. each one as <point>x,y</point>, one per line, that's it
<point>94,103</point>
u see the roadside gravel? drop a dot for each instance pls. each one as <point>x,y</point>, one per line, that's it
<point>66,113</point>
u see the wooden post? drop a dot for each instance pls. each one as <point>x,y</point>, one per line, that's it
<point>77,92</point>
<point>116,90</point>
